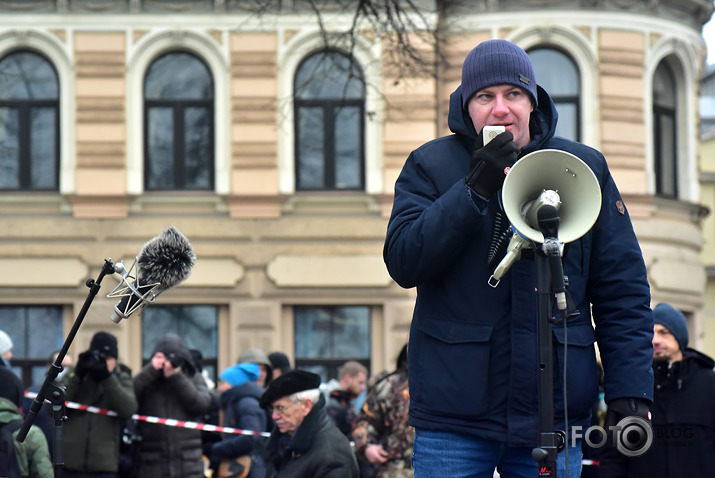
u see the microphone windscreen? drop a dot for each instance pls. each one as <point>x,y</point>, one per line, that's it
<point>167,259</point>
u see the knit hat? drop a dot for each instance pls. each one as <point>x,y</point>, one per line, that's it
<point>279,361</point>
<point>258,356</point>
<point>288,384</point>
<point>105,343</point>
<point>11,386</point>
<point>496,62</point>
<point>5,342</point>
<point>673,320</point>
<point>240,373</point>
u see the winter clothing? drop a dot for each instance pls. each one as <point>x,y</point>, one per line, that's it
<point>11,388</point>
<point>242,411</point>
<point>497,62</point>
<point>438,239</point>
<point>383,421</point>
<point>683,422</point>
<point>91,440</point>
<point>317,449</point>
<point>5,345</point>
<point>673,320</point>
<point>288,384</point>
<point>32,454</point>
<point>171,452</point>
<point>5,342</point>
<point>341,411</point>
<point>279,361</point>
<point>104,343</point>
<point>259,357</point>
<point>240,374</point>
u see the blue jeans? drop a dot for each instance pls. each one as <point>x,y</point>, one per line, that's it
<point>451,455</point>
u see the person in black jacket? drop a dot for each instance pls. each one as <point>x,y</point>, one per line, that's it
<point>683,435</point>
<point>91,441</point>
<point>474,347</point>
<point>304,441</point>
<point>240,395</point>
<point>169,387</point>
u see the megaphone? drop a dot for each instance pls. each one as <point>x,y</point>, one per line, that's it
<point>552,170</point>
<point>553,177</point>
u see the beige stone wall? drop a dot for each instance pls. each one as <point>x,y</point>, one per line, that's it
<point>254,170</point>
<point>707,195</point>
<point>260,252</point>
<point>621,86</point>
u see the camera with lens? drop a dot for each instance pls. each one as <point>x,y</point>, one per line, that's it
<point>95,358</point>
<point>175,360</point>
<point>92,362</point>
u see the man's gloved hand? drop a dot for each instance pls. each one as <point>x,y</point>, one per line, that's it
<point>621,408</point>
<point>488,166</point>
<point>83,364</point>
<point>99,372</point>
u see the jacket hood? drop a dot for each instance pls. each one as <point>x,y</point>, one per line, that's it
<point>542,124</point>
<point>8,411</point>
<point>680,372</point>
<point>173,344</point>
<point>700,358</point>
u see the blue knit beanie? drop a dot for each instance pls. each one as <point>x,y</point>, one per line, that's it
<point>673,320</point>
<point>496,62</point>
<point>241,373</point>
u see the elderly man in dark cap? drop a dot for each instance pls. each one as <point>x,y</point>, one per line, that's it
<point>683,407</point>
<point>304,442</point>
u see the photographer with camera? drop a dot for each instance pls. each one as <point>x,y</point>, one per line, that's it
<point>91,440</point>
<point>170,387</point>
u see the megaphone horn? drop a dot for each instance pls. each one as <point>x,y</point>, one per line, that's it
<point>555,177</point>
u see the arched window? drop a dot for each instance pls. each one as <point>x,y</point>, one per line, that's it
<point>665,131</point>
<point>178,124</point>
<point>329,93</point>
<point>29,123</point>
<point>557,73</point>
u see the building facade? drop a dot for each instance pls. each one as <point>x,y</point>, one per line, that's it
<point>273,145</point>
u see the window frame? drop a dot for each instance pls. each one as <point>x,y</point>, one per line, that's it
<point>330,108</point>
<point>559,99</point>
<point>178,108</point>
<point>661,114</point>
<point>332,364</point>
<point>25,107</point>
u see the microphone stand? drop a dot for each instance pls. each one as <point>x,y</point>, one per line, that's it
<point>550,281</point>
<point>56,392</point>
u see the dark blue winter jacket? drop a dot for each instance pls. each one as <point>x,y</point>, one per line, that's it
<point>473,348</point>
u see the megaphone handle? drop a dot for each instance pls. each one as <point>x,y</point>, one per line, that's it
<point>512,254</point>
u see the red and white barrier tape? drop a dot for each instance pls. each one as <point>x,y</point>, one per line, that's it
<point>171,422</point>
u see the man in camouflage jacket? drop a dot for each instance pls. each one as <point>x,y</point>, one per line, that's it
<point>382,435</point>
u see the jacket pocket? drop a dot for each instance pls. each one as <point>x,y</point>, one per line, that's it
<point>451,367</point>
<point>582,369</point>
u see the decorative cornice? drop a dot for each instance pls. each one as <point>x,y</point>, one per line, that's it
<point>693,12</point>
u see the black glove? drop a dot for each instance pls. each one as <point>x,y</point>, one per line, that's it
<point>99,372</point>
<point>489,164</point>
<point>631,440</point>
<point>83,364</point>
<point>621,408</point>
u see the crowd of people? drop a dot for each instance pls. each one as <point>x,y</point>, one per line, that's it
<point>283,415</point>
<point>462,399</point>
<point>301,427</point>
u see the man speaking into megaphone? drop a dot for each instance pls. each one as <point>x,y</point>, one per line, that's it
<point>473,347</point>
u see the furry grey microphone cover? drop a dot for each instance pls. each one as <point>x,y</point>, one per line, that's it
<point>167,259</point>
